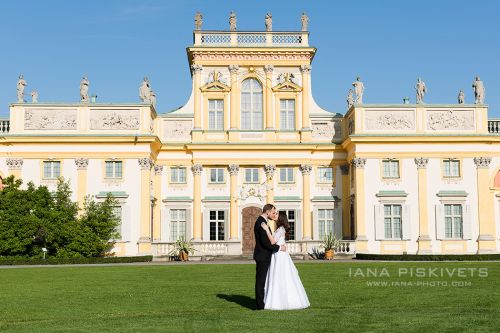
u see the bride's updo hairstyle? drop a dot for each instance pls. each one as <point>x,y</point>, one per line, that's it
<point>283,221</point>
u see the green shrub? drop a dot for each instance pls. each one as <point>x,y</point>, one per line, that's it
<point>74,260</point>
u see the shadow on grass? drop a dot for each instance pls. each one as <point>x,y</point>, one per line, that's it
<point>242,300</point>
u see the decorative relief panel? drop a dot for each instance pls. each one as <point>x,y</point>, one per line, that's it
<point>450,120</point>
<point>50,119</point>
<point>389,120</point>
<point>177,130</point>
<point>114,119</point>
<point>325,129</point>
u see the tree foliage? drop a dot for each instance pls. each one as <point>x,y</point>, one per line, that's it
<point>32,218</point>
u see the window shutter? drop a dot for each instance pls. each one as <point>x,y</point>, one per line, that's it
<point>315,225</point>
<point>164,224</point>
<point>189,224</point>
<point>379,222</point>
<point>406,223</point>
<point>227,231</point>
<point>439,222</point>
<point>298,224</point>
<point>125,229</point>
<point>467,222</point>
<point>337,223</point>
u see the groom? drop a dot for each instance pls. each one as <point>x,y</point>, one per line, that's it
<point>262,253</point>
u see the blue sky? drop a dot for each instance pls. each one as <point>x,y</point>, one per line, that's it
<point>116,43</point>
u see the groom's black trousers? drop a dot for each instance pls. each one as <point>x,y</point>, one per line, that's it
<point>260,282</point>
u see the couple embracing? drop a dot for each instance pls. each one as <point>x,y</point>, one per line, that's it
<point>277,282</point>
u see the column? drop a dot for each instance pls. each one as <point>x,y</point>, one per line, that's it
<point>197,169</point>
<point>346,226</point>
<point>424,240</point>
<point>196,70</point>
<point>359,205</point>
<point>81,171</point>
<point>306,88</point>
<point>234,111</point>
<point>486,212</point>
<point>269,96</point>
<point>15,166</point>
<point>269,170</point>
<point>306,201</point>
<point>145,220</point>
<point>233,204</point>
<point>157,207</point>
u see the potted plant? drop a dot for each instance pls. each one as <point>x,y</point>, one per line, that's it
<point>330,243</point>
<point>182,248</point>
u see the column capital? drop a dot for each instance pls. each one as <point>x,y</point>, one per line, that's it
<point>233,169</point>
<point>197,169</point>
<point>358,162</point>
<point>158,169</point>
<point>305,69</point>
<point>196,69</point>
<point>269,169</point>
<point>482,162</point>
<point>344,168</point>
<point>305,169</point>
<point>268,69</point>
<point>146,163</point>
<point>234,68</point>
<point>15,163</point>
<point>81,163</point>
<point>421,162</point>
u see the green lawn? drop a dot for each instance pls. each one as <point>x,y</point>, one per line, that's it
<point>219,298</point>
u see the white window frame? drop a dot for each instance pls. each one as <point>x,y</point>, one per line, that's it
<point>392,218</point>
<point>390,168</point>
<point>447,168</point>
<point>325,221</point>
<point>287,114</point>
<point>217,222</point>
<point>406,232</point>
<point>177,220</point>
<point>219,176</point>
<point>175,178</point>
<point>321,179</point>
<point>253,111</point>
<point>51,170</point>
<point>216,114</point>
<point>289,175</point>
<point>116,172</point>
<point>253,172</point>
<point>293,222</point>
<point>452,216</point>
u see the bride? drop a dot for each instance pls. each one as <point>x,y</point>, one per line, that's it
<point>283,290</point>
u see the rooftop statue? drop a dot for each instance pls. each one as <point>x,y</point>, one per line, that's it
<point>232,21</point>
<point>34,96</point>
<point>145,91</point>
<point>21,84</point>
<point>152,98</point>
<point>421,90</point>
<point>359,89</point>
<point>198,21</point>
<point>84,89</point>
<point>461,97</point>
<point>269,22</point>
<point>305,21</point>
<point>350,99</point>
<point>478,90</point>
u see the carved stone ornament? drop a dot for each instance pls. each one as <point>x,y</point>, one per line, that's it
<point>323,129</point>
<point>389,120</point>
<point>158,169</point>
<point>195,68</point>
<point>358,162</point>
<point>50,119</point>
<point>197,169</point>
<point>253,190</point>
<point>450,120</point>
<point>268,68</point>
<point>177,130</point>
<point>238,55</point>
<point>114,119</point>
<point>146,163</point>
<point>81,163</point>
<point>269,169</point>
<point>305,169</point>
<point>421,162</point>
<point>482,162</point>
<point>344,168</point>
<point>14,163</point>
<point>233,69</point>
<point>233,169</point>
<point>305,68</point>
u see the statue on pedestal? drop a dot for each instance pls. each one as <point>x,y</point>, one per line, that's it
<point>461,97</point>
<point>21,84</point>
<point>145,90</point>
<point>305,21</point>
<point>84,89</point>
<point>359,89</point>
<point>34,96</point>
<point>350,99</point>
<point>198,21</point>
<point>269,22</point>
<point>478,91</point>
<point>421,90</point>
<point>232,21</point>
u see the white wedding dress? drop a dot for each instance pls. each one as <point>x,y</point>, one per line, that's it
<point>283,290</point>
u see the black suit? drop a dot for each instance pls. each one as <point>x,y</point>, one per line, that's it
<point>262,256</point>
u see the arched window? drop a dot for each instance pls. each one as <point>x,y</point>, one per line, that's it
<point>496,182</point>
<point>251,104</point>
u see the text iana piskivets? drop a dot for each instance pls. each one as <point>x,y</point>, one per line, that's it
<point>421,272</point>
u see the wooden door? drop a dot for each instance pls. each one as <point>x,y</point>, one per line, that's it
<point>249,216</point>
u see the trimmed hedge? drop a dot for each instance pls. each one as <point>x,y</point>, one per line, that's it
<point>428,257</point>
<point>70,261</point>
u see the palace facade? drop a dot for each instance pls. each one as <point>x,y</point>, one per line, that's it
<point>389,179</point>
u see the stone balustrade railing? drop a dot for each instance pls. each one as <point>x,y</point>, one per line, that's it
<point>4,125</point>
<point>494,126</point>
<point>249,38</point>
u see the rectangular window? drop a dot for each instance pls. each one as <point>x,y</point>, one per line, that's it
<point>451,168</point>
<point>217,218</point>
<point>117,213</point>
<point>177,224</point>
<point>114,169</point>
<point>178,175</point>
<point>392,221</point>
<point>290,213</point>
<point>325,222</point>
<point>51,169</point>
<point>252,175</point>
<point>287,114</point>
<point>325,175</point>
<point>453,221</point>
<point>287,175</point>
<point>390,168</point>
<point>217,175</point>
<point>216,114</point>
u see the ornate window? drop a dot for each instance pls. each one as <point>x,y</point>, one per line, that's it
<point>251,105</point>
<point>287,114</point>
<point>216,114</point>
<point>51,169</point>
<point>114,169</point>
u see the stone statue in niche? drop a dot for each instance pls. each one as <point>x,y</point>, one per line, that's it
<point>421,90</point>
<point>269,22</point>
<point>350,99</point>
<point>84,89</point>
<point>305,21</point>
<point>478,90</point>
<point>34,96</point>
<point>21,84</point>
<point>359,89</point>
<point>461,97</point>
<point>198,21</point>
<point>232,21</point>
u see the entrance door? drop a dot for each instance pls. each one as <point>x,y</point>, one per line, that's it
<point>249,216</point>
